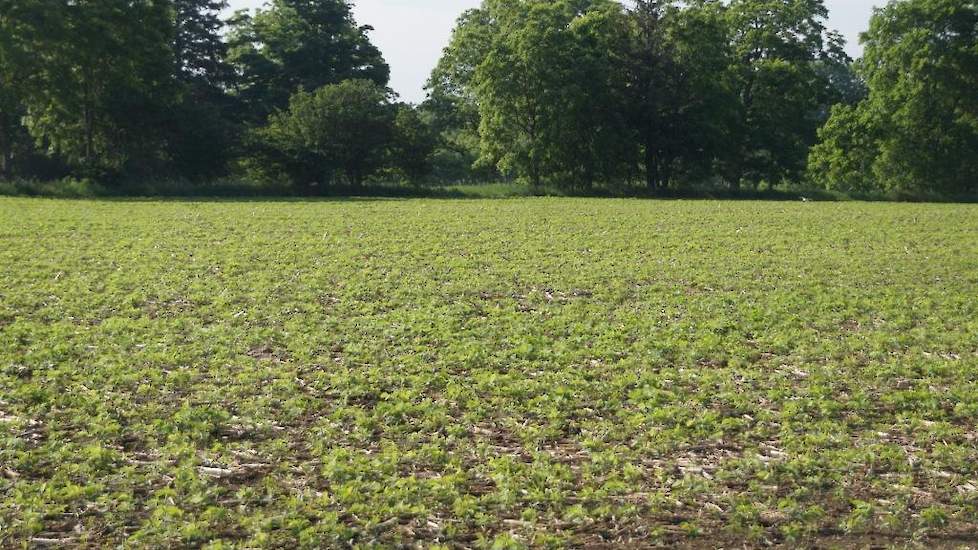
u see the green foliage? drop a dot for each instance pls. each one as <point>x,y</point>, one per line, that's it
<point>573,93</point>
<point>11,113</point>
<point>15,142</point>
<point>584,96</point>
<point>547,91</point>
<point>18,155</point>
<point>918,128</point>
<point>202,131</point>
<point>847,150</point>
<point>129,89</point>
<point>782,51</point>
<point>338,131</point>
<point>681,101</point>
<point>540,372</point>
<point>96,89</point>
<point>114,88</point>
<point>413,144</point>
<point>198,49</point>
<point>298,44</point>
<point>452,103</point>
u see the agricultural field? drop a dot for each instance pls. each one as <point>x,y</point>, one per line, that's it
<point>488,373</point>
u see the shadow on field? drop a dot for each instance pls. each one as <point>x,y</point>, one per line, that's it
<point>233,191</point>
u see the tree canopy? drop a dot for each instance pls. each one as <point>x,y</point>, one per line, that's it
<point>93,78</point>
<point>918,127</point>
<point>649,96</point>
<point>339,129</point>
<point>295,44</point>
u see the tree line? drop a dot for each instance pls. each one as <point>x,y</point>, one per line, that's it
<point>656,95</point>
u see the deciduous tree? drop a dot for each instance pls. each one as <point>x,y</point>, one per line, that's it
<point>452,101</point>
<point>778,45</point>
<point>99,84</point>
<point>203,127</point>
<point>546,90</point>
<point>918,128</point>
<point>297,44</point>
<point>337,131</point>
<point>681,102</point>
<point>413,144</point>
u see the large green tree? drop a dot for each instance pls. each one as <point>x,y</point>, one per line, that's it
<point>21,26</point>
<point>414,142</point>
<point>116,86</point>
<point>299,44</point>
<point>547,91</point>
<point>649,64</point>
<point>680,95</point>
<point>918,128</point>
<point>203,126</point>
<point>599,145</point>
<point>337,133</point>
<point>779,46</point>
<point>573,92</point>
<point>198,48</point>
<point>98,86</point>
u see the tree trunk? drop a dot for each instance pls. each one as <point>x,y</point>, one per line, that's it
<point>5,156</point>
<point>89,130</point>
<point>534,174</point>
<point>90,120</point>
<point>356,179</point>
<point>652,176</point>
<point>664,171</point>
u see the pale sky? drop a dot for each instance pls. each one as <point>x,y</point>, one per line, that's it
<point>412,33</point>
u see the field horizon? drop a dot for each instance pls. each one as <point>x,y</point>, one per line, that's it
<point>231,190</point>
